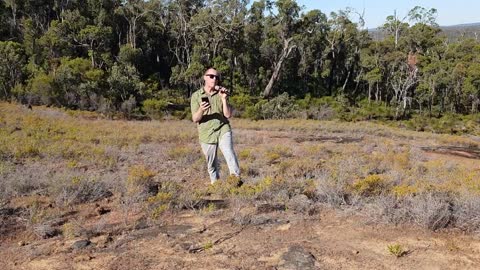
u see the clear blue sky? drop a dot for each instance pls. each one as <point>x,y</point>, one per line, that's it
<point>449,12</point>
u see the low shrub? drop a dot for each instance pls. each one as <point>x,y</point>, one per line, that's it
<point>371,185</point>
<point>76,190</point>
<point>155,108</point>
<point>279,107</point>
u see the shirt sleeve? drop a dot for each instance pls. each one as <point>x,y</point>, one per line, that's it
<point>194,103</point>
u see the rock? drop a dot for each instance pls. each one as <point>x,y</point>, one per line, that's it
<point>295,258</point>
<point>22,243</point>
<point>284,227</point>
<point>267,208</point>
<point>180,230</point>
<point>299,203</point>
<point>257,220</point>
<point>81,244</point>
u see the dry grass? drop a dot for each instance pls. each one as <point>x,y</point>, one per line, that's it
<point>157,167</point>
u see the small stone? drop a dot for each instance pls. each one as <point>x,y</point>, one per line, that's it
<point>267,208</point>
<point>80,244</point>
<point>356,252</point>
<point>297,258</point>
<point>284,227</point>
<point>22,243</point>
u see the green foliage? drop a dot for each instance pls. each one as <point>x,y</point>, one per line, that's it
<point>397,250</point>
<point>448,123</point>
<point>12,64</point>
<point>154,108</point>
<point>369,110</point>
<point>280,107</point>
<point>371,185</point>
<point>42,87</point>
<point>124,83</point>
<point>129,56</point>
<point>241,102</point>
<point>106,57</point>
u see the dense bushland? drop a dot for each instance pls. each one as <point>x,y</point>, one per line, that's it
<point>135,58</point>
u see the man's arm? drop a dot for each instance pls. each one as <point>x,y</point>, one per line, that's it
<point>227,109</point>
<point>197,116</point>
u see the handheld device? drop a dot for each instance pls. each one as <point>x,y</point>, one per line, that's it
<point>205,99</point>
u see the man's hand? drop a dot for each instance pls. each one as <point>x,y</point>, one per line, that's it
<point>204,106</point>
<point>197,116</point>
<point>223,92</point>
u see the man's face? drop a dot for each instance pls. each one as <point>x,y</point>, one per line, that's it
<point>211,78</point>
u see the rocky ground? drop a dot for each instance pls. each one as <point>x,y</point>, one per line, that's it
<point>261,237</point>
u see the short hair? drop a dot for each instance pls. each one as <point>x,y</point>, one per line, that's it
<point>218,72</point>
<point>209,67</point>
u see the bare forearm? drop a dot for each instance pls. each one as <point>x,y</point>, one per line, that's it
<point>227,110</point>
<point>196,117</point>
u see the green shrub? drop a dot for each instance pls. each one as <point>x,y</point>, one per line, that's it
<point>373,110</point>
<point>280,107</point>
<point>241,102</point>
<point>155,108</point>
<point>397,250</point>
<point>371,185</point>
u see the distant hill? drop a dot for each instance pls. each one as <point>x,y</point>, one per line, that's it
<point>453,32</point>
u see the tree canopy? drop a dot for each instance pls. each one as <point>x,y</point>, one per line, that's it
<point>112,55</point>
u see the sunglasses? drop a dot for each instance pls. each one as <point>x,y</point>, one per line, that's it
<point>211,76</point>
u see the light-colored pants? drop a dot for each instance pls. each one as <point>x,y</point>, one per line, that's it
<point>210,152</point>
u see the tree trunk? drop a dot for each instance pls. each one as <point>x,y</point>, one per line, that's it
<point>287,49</point>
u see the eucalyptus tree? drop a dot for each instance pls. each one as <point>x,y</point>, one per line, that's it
<point>12,61</point>
<point>134,11</point>
<point>471,87</point>
<point>281,38</point>
<point>96,39</point>
<point>13,5</point>
<point>253,63</point>
<point>463,54</point>
<point>370,62</point>
<point>395,27</point>
<point>61,37</point>
<point>181,42</point>
<point>345,41</point>
<point>311,48</point>
<point>5,29</point>
<point>229,26</point>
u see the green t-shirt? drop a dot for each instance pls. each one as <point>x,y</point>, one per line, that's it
<point>213,124</point>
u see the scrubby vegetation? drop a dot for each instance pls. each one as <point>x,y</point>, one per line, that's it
<point>54,161</point>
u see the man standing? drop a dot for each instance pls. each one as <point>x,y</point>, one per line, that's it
<point>210,110</point>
